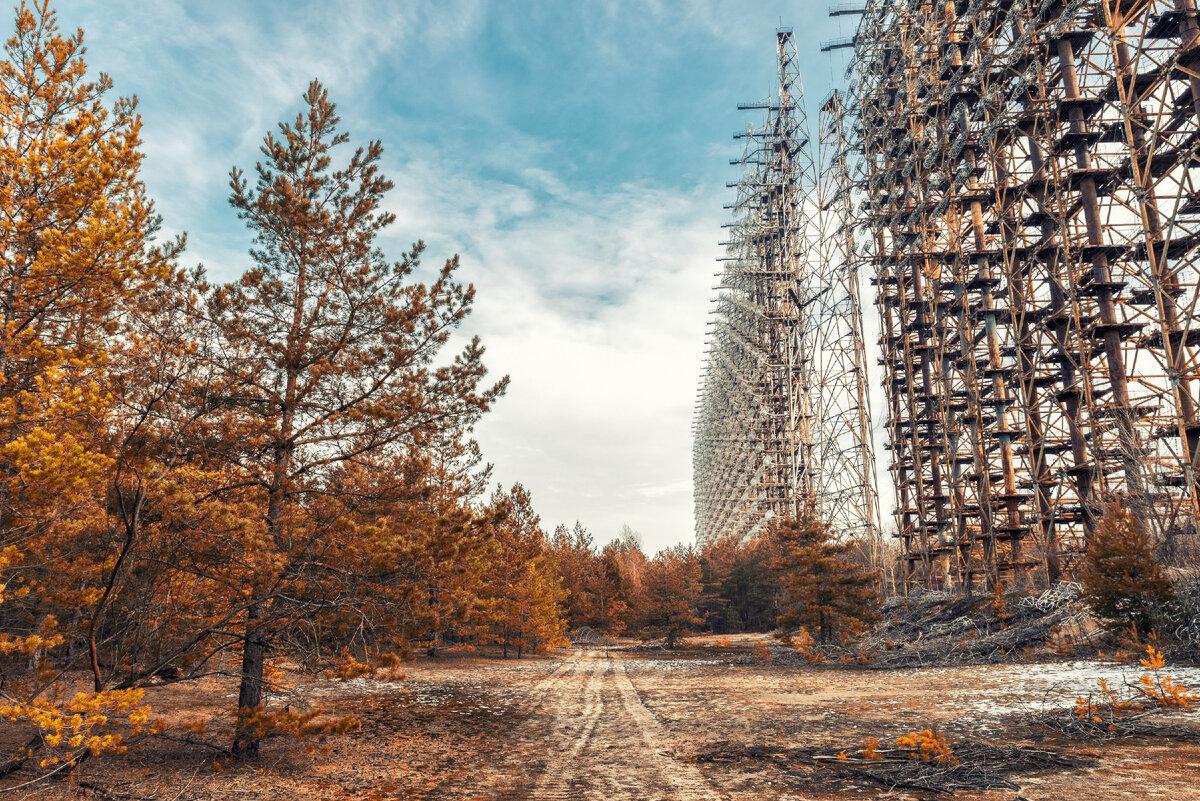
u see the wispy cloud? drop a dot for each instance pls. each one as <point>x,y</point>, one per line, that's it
<point>595,305</point>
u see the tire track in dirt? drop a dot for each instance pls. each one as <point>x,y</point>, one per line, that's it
<point>539,691</point>
<point>605,745</point>
<point>685,780</point>
<point>587,736</point>
<point>553,783</point>
<point>493,781</point>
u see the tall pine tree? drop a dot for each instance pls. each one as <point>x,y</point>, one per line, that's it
<point>331,357</point>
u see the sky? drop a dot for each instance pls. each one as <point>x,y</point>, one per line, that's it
<point>574,154</point>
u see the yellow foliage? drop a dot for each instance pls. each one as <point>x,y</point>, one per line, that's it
<point>928,745</point>
<point>81,721</point>
<point>871,749</point>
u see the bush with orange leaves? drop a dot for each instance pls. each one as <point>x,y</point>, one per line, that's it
<point>928,745</point>
<point>298,724</point>
<point>871,750</point>
<point>1161,689</point>
<point>384,667</point>
<point>1102,709</point>
<point>762,653</point>
<point>803,644</point>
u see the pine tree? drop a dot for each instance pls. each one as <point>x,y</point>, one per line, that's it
<point>76,254</point>
<point>522,594</point>
<point>329,358</point>
<point>1123,582</point>
<point>580,570</point>
<point>673,594</point>
<point>824,589</point>
<point>741,590</point>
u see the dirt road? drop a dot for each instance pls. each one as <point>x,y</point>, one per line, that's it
<point>610,726</point>
<point>713,722</point>
<point>602,742</point>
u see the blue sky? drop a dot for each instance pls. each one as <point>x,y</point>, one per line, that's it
<point>574,153</point>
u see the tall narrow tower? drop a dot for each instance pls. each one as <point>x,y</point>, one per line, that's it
<point>782,417</point>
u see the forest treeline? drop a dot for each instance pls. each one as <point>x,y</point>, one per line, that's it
<point>793,575</point>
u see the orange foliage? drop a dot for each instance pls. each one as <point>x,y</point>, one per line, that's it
<point>1153,689</point>
<point>194,476</point>
<point>871,750</point>
<point>300,724</point>
<point>1161,689</point>
<point>928,745</point>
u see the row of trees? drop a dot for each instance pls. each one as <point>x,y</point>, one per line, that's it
<point>200,478</point>
<point>794,576</point>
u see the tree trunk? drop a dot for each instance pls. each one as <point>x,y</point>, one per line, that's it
<point>254,649</point>
<point>254,646</point>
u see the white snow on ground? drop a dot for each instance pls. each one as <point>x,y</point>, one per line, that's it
<point>670,664</point>
<point>1006,689</point>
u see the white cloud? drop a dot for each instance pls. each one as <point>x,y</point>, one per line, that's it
<point>595,305</point>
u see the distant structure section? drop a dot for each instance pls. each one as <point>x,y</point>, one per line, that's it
<point>1029,208</point>
<point>783,413</point>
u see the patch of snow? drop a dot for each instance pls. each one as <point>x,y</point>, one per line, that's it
<point>1009,689</point>
<point>670,664</point>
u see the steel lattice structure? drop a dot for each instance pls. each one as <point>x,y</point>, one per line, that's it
<point>1032,218</point>
<point>783,413</point>
<point>1018,179</point>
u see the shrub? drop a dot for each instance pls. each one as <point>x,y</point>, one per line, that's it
<point>929,746</point>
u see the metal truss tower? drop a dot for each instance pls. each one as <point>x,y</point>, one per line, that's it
<point>1031,215</point>
<point>783,413</point>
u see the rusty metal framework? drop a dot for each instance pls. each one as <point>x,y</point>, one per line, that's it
<point>783,412</point>
<point>1027,199</point>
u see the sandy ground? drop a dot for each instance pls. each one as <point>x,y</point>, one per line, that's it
<point>708,723</point>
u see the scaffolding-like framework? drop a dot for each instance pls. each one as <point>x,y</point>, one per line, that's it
<point>1027,175</point>
<point>783,413</point>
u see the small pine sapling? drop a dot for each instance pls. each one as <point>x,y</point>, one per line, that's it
<point>1123,582</point>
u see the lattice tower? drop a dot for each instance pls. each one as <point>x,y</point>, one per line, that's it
<point>782,413</point>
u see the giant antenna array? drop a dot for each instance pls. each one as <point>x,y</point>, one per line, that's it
<point>1032,220</point>
<point>1018,181</point>
<point>783,413</point>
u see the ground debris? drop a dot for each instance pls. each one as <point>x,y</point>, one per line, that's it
<point>1151,723</point>
<point>980,766</point>
<point>933,629</point>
